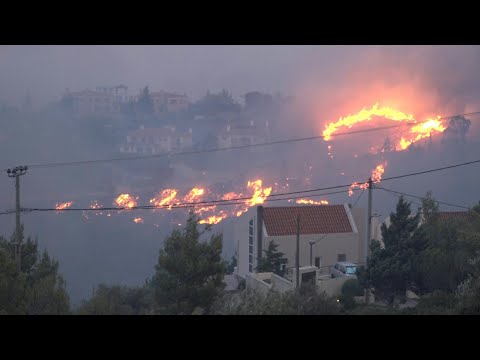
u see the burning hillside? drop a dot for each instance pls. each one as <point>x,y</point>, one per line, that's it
<point>400,137</point>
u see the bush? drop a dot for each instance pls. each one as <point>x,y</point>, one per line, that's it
<point>352,288</point>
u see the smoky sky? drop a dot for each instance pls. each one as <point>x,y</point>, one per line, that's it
<point>46,71</point>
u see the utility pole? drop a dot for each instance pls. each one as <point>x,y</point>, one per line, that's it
<point>369,225</point>
<point>297,256</point>
<point>369,231</point>
<point>16,173</point>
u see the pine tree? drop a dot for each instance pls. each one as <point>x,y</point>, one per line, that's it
<point>391,270</point>
<point>272,260</point>
<point>189,273</point>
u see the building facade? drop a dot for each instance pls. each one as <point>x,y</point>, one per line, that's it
<point>240,135</point>
<point>156,141</point>
<point>331,228</point>
<point>88,102</point>
<point>168,102</point>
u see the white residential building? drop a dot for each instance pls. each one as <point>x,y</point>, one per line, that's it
<point>332,228</point>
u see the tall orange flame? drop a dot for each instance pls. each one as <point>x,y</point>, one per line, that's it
<point>407,136</point>
<point>365,115</point>
<point>376,178</point>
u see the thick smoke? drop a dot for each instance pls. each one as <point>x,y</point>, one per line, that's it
<point>326,82</point>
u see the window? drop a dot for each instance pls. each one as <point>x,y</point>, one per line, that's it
<point>318,261</point>
<point>250,245</point>
<point>351,269</point>
<point>341,257</point>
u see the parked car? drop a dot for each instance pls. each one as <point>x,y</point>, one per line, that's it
<point>343,269</point>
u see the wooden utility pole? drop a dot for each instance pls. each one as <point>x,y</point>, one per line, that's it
<point>369,231</point>
<point>297,256</point>
<point>16,173</point>
<point>369,225</point>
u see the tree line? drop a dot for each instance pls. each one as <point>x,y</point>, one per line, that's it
<point>435,257</point>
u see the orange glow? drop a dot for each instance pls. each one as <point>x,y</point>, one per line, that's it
<point>422,131</point>
<point>195,193</point>
<point>61,206</point>
<point>405,136</point>
<point>311,202</point>
<point>231,195</point>
<point>138,220</point>
<point>259,194</point>
<point>126,201</point>
<point>166,197</point>
<point>365,115</point>
<point>378,172</point>
<point>376,178</point>
<point>95,205</point>
<point>214,219</point>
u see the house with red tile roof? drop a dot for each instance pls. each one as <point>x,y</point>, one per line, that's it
<point>336,233</point>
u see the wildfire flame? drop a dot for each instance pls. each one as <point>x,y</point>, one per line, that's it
<point>231,195</point>
<point>376,178</point>
<point>194,194</point>
<point>422,131</point>
<point>166,197</point>
<point>312,202</point>
<point>126,201</point>
<point>61,206</point>
<point>214,219</point>
<point>415,133</point>
<point>259,194</point>
<point>138,220</point>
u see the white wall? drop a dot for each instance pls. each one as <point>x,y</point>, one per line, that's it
<point>240,235</point>
<point>328,248</point>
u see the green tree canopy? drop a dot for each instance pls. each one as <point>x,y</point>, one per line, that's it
<point>189,273</point>
<point>212,104</point>
<point>303,301</point>
<point>118,300</point>
<point>390,270</point>
<point>38,289</point>
<point>272,260</point>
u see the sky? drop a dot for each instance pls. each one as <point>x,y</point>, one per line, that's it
<point>336,73</point>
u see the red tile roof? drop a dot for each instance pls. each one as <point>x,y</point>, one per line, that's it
<point>454,215</point>
<point>316,219</point>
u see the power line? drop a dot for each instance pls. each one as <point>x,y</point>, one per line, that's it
<point>394,194</point>
<point>218,202</point>
<point>193,152</point>
<point>173,206</point>
<point>431,170</point>
<point>419,197</point>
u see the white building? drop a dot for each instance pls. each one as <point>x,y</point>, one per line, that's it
<point>156,141</point>
<point>119,93</point>
<point>332,228</point>
<point>240,135</point>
